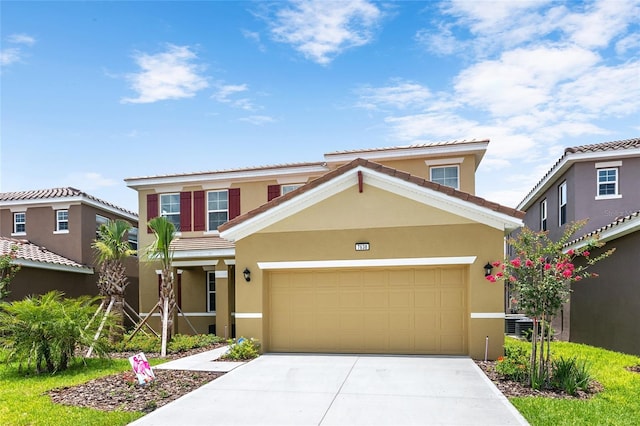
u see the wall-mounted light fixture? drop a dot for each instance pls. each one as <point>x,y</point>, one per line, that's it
<point>487,269</point>
<point>247,274</point>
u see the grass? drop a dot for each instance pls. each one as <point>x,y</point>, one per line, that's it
<point>618,404</point>
<point>24,399</point>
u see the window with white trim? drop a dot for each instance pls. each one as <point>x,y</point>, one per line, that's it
<point>543,215</point>
<point>562,203</point>
<point>446,175</point>
<point>211,291</point>
<point>19,223</point>
<point>62,220</point>
<point>284,189</point>
<point>608,181</point>
<point>217,209</point>
<point>170,208</point>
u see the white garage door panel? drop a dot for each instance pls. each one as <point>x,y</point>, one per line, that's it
<point>413,310</point>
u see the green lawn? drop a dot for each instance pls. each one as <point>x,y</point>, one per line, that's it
<point>618,404</point>
<point>24,401</point>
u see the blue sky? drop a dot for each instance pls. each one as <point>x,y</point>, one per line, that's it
<point>96,92</point>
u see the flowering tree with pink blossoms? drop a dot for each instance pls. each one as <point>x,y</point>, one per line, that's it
<point>540,275</point>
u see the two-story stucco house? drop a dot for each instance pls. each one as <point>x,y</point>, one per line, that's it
<point>369,251</point>
<point>53,230</point>
<point>598,182</point>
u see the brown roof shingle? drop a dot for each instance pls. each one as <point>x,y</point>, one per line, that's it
<point>53,193</point>
<point>382,169</point>
<point>201,243</point>
<point>32,252</point>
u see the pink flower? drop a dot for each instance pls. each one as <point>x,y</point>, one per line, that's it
<point>567,273</point>
<point>547,266</point>
<point>491,278</point>
<point>499,275</point>
<point>571,252</point>
<point>512,279</point>
<point>578,278</point>
<point>528,263</point>
<point>516,262</point>
<point>541,260</point>
<point>586,253</point>
<point>496,264</point>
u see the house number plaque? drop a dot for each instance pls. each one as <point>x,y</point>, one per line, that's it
<point>362,246</point>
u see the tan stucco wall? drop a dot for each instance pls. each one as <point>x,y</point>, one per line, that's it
<point>357,215</point>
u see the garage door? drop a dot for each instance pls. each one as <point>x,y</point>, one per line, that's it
<point>398,311</point>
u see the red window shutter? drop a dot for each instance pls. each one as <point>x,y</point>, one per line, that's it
<point>199,211</point>
<point>273,191</point>
<point>152,208</point>
<point>234,202</point>
<point>185,211</point>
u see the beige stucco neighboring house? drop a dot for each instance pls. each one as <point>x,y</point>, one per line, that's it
<point>371,251</point>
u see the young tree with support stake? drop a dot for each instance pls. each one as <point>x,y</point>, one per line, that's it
<point>541,275</point>
<point>160,250</point>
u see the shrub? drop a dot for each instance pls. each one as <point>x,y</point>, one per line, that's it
<point>179,343</point>
<point>242,350</point>
<point>570,375</point>
<point>514,365</point>
<point>45,331</point>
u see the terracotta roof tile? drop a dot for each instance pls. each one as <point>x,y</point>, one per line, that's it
<point>53,193</point>
<point>201,243</point>
<point>382,169</point>
<point>619,221</point>
<point>35,253</point>
<point>395,148</point>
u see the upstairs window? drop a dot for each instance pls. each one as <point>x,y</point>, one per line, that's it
<point>132,238</point>
<point>19,223</point>
<point>62,220</point>
<point>217,209</point>
<point>170,208</point>
<point>562,203</point>
<point>100,220</point>
<point>607,182</point>
<point>543,215</point>
<point>284,189</point>
<point>211,291</point>
<point>446,175</point>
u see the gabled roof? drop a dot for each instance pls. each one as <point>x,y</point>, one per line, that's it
<point>61,195</point>
<point>33,256</point>
<point>444,197</point>
<point>616,229</point>
<point>592,152</point>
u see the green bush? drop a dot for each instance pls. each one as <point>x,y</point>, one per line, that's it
<point>45,331</point>
<point>570,375</point>
<point>514,364</point>
<point>242,350</point>
<point>179,343</point>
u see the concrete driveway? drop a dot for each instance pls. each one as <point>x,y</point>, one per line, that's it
<point>287,389</point>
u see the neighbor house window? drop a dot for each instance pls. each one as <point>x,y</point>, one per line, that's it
<point>62,220</point>
<point>100,220</point>
<point>211,291</point>
<point>132,238</point>
<point>284,189</point>
<point>170,208</point>
<point>446,175</point>
<point>217,209</point>
<point>608,181</point>
<point>562,203</point>
<point>19,223</point>
<point>543,215</point>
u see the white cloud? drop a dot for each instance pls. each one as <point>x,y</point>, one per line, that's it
<point>321,29</point>
<point>258,120</point>
<point>255,38</point>
<point>172,74</point>
<point>21,39</point>
<point>90,180</point>
<point>401,95</point>
<point>10,56</point>
<point>225,94</point>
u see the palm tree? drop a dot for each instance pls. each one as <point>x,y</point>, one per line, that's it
<point>160,250</point>
<point>112,248</point>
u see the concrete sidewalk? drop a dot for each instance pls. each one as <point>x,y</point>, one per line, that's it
<point>205,361</point>
<point>287,389</point>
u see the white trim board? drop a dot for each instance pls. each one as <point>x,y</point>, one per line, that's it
<point>368,263</point>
